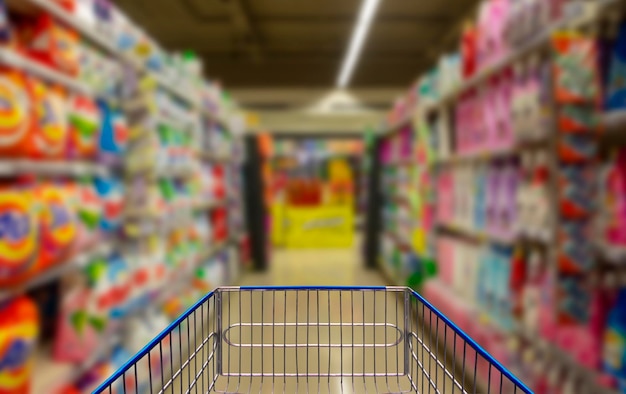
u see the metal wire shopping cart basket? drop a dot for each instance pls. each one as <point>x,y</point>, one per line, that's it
<point>312,339</point>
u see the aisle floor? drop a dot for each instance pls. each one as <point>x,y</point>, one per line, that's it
<point>315,267</point>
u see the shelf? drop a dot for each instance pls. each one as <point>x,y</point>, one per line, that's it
<point>216,158</point>
<point>479,156</point>
<point>614,121</point>
<point>51,168</point>
<point>404,121</point>
<point>13,59</point>
<point>172,88</point>
<point>401,162</point>
<point>147,213</point>
<point>72,264</point>
<point>398,241</point>
<point>477,235</point>
<point>613,254</point>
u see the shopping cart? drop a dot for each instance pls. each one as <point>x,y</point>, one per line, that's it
<point>312,339</point>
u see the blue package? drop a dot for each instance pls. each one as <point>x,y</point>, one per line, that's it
<point>113,135</point>
<point>614,354</point>
<point>616,88</point>
<point>111,193</point>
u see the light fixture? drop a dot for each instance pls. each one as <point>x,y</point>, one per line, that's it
<point>366,15</point>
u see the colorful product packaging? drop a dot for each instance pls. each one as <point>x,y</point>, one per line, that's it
<point>577,148</point>
<point>89,208</point>
<point>614,355</point>
<point>84,127</point>
<point>111,193</point>
<point>49,138</point>
<point>19,235</point>
<point>114,135</point>
<point>17,118</point>
<point>575,69</point>
<point>578,119</point>
<point>616,89</point>
<point>51,43</point>
<point>57,222</point>
<point>19,329</point>
<point>76,337</point>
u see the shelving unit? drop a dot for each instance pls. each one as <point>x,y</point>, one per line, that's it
<point>197,118</point>
<point>425,115</point>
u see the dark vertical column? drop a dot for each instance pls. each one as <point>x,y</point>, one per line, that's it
<point>373,211</point>
<point>255,206</point>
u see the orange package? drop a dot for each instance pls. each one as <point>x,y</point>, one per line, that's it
<point>49,42</point>
<point>17,115</point>
<point>19,329</point>
<point>57,222</point>
<point>49,138</point>
<point>19,235</point>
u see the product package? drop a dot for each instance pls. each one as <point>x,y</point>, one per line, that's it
<point>19,329</point>
<point>19,235</point>
<point>616,89</point>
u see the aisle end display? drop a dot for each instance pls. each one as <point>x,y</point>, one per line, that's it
<point>313,192</point>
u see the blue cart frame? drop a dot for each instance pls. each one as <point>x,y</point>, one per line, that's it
<point>320,339</point>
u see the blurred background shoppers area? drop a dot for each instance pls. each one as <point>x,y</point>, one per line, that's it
<point>473,150</point>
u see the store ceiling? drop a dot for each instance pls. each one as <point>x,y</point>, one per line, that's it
<point>287,43</point>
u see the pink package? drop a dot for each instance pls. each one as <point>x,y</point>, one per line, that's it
<point>445,253</point>
<point>505,137</point>
<point>579,342</point>
<point>492,24</point>
<point>405,143</point>
<point>445,192</point>
<point>490,117</point>
<point>548,327</point>
<point>76,338</point>
<point>507,214</point>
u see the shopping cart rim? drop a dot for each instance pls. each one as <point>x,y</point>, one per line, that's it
<point>479,349</point>
<point>149,346</point>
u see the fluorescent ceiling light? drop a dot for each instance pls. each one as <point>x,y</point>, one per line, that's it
<point>366,15</point>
